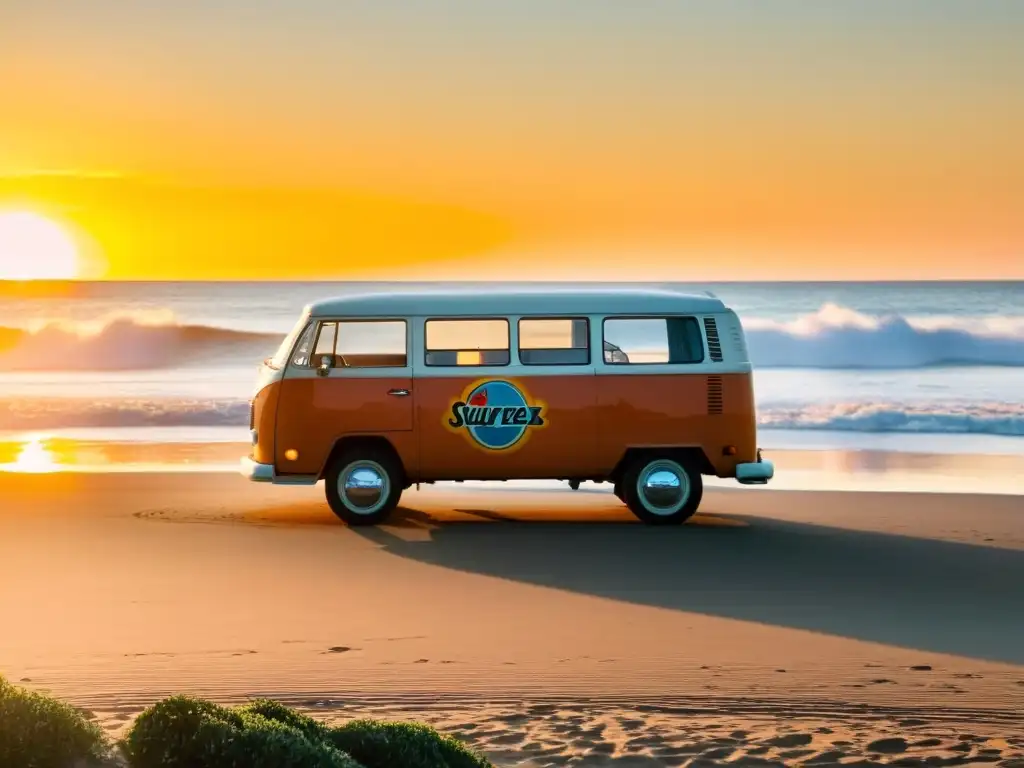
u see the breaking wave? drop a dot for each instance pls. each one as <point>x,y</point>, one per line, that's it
<point>961,419</point>
<point>834,337</point>
<point>839,337</point>
<point>128,342</point>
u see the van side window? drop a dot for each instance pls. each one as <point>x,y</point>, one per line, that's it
<point>371,344</point>
<point>554,341</point>
<point>467,342</point>
<point>652,340</point>
<point>325,342</point>
<point>300,355</point>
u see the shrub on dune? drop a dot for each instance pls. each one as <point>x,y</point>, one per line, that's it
<point>187,732</point>
<point>180,730</point>
<point>377,744</point>
<point>279,713</point>
<point>37,731</point>
<point>265,743</point>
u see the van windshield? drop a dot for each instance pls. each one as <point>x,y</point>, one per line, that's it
<point>280,358</point>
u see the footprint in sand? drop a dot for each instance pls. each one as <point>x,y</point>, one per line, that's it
<point>794,754</point>
<point>829,758</point>
<point>718,753</point>
<point>339,649</point>
<point>891,746</point>
<point>507,738</point>
<point>543,709</point>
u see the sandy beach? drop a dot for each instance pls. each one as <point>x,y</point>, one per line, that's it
<point>544,627</point>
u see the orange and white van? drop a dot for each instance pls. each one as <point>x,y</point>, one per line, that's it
<point>373,392</point>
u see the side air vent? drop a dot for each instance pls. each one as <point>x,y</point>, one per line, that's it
<point>714,343</point>
<point>714,395</point>
<point>252,414</point>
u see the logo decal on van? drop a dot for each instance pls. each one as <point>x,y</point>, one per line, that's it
<point>496,414</point>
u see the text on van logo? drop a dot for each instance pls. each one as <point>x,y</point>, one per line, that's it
<point>495,414</point>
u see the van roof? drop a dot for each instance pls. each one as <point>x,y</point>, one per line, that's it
<point>476,301</point>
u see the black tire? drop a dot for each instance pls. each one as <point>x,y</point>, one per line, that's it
<point>374,462</point>
<point>673,512</point>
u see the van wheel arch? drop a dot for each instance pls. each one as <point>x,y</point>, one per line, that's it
<point>692,455</point>
<point>369,442</point>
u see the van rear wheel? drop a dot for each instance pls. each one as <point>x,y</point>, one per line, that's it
<point>364,486</point>
<point>662,490</point>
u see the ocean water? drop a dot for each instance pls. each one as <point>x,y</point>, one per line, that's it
<point>932,367</point>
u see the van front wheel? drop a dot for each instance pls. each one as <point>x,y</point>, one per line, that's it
<point>661,490</point>
<point>363,487</point>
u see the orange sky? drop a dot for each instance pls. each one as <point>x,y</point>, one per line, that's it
<point>703,140</point>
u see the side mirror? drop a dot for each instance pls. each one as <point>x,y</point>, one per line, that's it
<point>326,363</point>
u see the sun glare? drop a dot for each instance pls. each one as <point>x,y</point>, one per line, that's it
<point>33,247</point>
<point>34,456</point>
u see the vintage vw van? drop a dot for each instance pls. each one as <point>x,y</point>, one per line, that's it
<point>648,389</point>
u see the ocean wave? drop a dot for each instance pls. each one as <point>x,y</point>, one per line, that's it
<point>838,337</point>
<point>952,418</point>
<point>41,414</point>
<point>834,337</point>
<point>135,341</point>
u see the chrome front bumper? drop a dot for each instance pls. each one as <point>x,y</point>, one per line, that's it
<point>258,473</point>
<point>755,472</point>
<point>265,473</point>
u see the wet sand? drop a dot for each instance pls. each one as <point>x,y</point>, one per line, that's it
<point>544,626</point>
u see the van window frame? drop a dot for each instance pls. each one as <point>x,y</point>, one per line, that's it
<point>296,334</point>
<point>339,320</point>
<point>519,340</point>
<point>467,318</point>
<point>316,341</point>
<point>661,316</point>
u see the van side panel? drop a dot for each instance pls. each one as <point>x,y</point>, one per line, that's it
<point>314,412</point>
<point>264,411</point>
<point>564,446</point>
<point>669,410</point>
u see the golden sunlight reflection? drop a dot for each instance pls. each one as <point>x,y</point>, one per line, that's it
<point>35,456</point>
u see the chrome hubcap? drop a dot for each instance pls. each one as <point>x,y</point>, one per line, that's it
<point>664,487</point>
<point>363,487</point>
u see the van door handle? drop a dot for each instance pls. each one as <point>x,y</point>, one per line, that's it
<point>398,392</point>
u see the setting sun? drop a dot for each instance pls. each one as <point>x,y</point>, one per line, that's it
<point>33,247</point>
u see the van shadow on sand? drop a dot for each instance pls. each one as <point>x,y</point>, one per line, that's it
<point>921,594</point>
